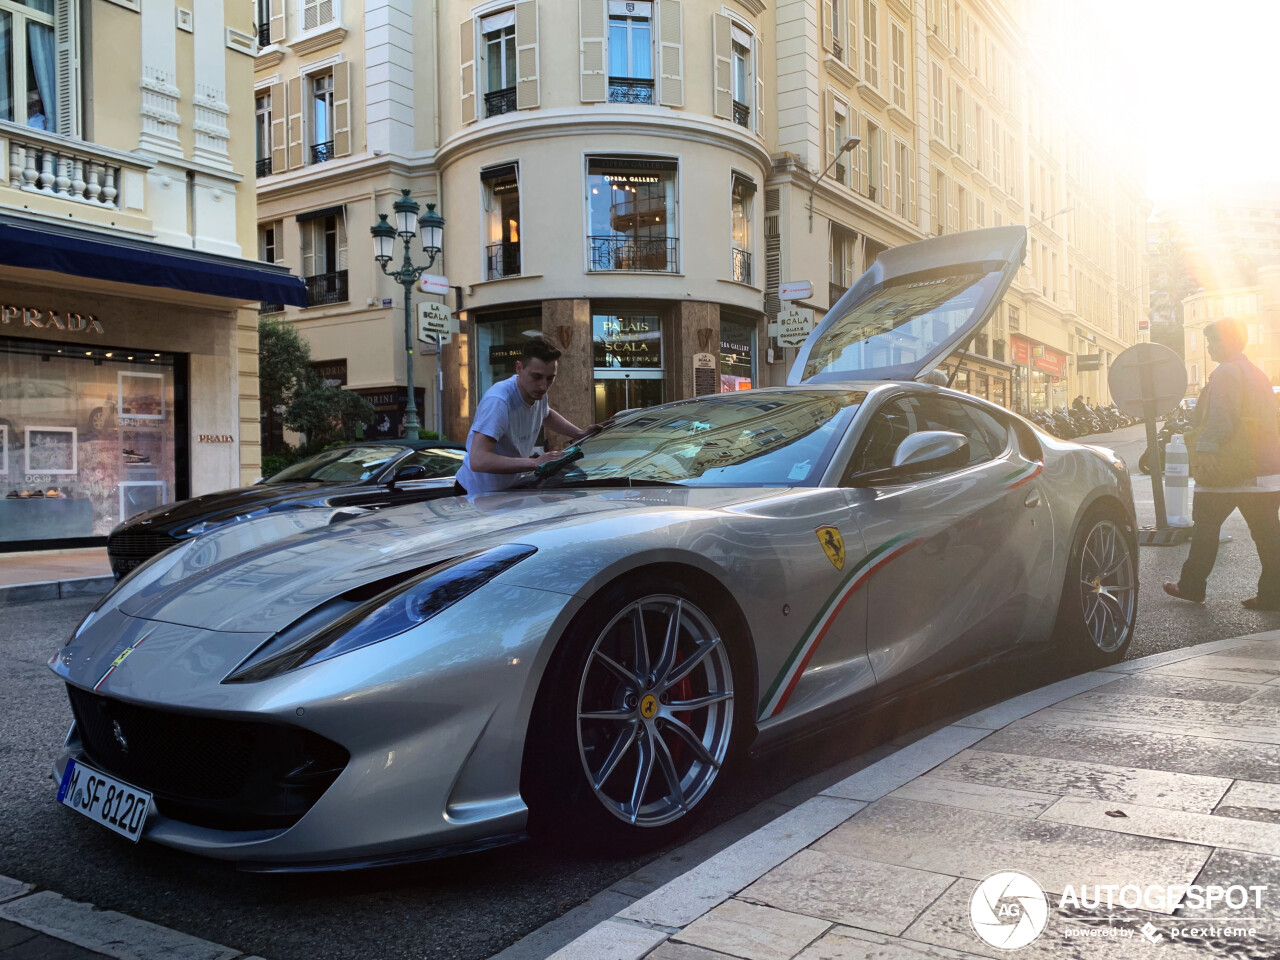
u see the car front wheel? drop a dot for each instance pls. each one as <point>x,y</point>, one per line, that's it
<point>1100,596</point>
<point>639,714</point>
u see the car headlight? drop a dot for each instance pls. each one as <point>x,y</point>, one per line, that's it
<point>390,613</point>
<point>204,526</point>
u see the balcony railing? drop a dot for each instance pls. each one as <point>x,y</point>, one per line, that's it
<point>657,254</point>
<point>263,168</point>
<point>837,50</point>
<point>48,164</point>
<point>500,101</point>
<point>270,308</point>
<point>327,288</point>
<point>630,90</point>
<point>741,114</point>
<point>741,265</point>
<point>264,34</point>
<point>320,152</point>
<point>834,292</point>
<point>501,260</point>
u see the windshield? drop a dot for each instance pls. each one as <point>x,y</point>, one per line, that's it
<point>757,438</point>
<point>343,465</point>
<point>902,323</point>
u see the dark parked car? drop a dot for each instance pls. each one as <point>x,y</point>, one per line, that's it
<point>370,475</point>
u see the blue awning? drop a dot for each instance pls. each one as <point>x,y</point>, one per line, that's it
<point>83,253</point>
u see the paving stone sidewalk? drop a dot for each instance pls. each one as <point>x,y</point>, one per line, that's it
<point>1153,772</point>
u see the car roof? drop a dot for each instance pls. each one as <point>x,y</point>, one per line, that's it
<point>401,442</point>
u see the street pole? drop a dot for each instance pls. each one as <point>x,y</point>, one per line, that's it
<point>408,277</point>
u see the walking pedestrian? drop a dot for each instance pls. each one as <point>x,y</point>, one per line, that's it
<point>508,420</point>
<point>1234,447</point>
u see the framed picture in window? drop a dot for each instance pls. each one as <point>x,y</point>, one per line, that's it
<point>51,450</point>
<point>139,495</point>
<point>141,395</point>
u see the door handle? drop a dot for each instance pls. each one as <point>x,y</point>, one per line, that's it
<point>1033,499</point>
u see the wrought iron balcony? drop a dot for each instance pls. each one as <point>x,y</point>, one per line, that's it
<point>270,308</point>
<point>741,114</point>
<point>264,34</point>
<point>834,292</point>
<point>836,50</point>
<point>630,90</point>
<point>501,260</point>
<point>263,168</point>
<point>658,254</point>
<point>741,265</point>
<point>500,101</point>
<point>327,288</point>
<point>320,152</point>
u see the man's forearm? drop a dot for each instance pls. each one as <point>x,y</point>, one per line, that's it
<point>486,462</point>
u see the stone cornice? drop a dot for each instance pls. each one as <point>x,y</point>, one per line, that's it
<point>318,41</point>
<point>756,7</point>
<point>657,122</point>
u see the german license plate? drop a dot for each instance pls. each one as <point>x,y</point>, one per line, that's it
<point>104,799</point>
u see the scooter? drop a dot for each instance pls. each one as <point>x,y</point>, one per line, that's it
<point>1174,424</point>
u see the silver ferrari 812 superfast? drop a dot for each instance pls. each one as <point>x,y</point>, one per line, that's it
<point>602,641</point>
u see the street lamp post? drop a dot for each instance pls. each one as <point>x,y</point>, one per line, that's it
<point>407,225</point>
<point>845,147</point>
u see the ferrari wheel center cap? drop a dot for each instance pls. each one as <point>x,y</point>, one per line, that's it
<point>648,706</point>
<point>1097,585</point>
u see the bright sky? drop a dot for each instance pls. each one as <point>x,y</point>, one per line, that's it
<point>1209,75</point>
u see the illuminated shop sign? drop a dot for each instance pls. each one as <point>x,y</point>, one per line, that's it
<point>628,342</point>
<point>49,319</point>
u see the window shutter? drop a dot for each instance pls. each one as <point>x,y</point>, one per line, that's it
<point>911,186</point>
<point>757,64</point>
<point>955,119</point>
<point>526,54</point>
<point>67,60</point>
<point>670,53</point>
<point>276,21</point>
<point>722,53</point>
<point>885,182</point>
<point>468,61</point>
<point>341,245</point>
<point>951,206</point>
<point>864,168</point>
<point>294,103</point>
<point>851,58</point>
<point>852,157</point>
<point>593,25</point>
<point>310,14</point>
<point>828,17</point>
<point>829,111</point>
<point>308,248</point>
<point>342,109</point>
<point>279,139</point>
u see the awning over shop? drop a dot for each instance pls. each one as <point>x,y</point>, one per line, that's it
<point>84,253</point>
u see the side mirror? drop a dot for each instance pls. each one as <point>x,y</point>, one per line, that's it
<point>414,471</point>
<point>921,453</point>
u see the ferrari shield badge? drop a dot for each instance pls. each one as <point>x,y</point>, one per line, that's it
<point>832,545</point>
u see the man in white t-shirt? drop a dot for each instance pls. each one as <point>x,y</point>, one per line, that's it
<point>508,420</point>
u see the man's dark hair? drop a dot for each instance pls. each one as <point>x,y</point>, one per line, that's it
<point>536,348</point>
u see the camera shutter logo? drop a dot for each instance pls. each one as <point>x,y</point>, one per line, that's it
<point>1008,910</point>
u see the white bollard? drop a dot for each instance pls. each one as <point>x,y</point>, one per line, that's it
<point>1177,471</point>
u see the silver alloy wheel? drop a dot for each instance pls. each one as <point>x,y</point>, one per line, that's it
<point>655,710</point>
<point>1107,586</point>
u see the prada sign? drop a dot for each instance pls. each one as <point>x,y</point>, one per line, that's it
<point>49,320</point>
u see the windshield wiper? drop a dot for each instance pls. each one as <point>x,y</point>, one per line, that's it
<point>614,482</point>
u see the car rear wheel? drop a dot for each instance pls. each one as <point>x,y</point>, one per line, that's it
<point>637,717</point>
<point>1100,597</point>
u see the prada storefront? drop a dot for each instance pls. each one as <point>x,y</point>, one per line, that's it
<point>116,398</point>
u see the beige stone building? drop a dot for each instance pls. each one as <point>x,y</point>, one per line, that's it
<point>1258,306</point>
<point>634,180</point>
<point>128,263</point>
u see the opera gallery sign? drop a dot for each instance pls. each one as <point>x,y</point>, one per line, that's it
<point>49,319</point>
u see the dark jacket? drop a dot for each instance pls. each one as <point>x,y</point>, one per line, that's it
<point>1237,389</point>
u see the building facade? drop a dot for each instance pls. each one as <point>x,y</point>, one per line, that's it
<point>633,180</point>
<point>128,357</point>
<point>1258,306</point>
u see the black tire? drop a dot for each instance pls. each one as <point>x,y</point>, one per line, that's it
<point>579,776</point>
<point>1144,462</point>
<point>1095,620</point>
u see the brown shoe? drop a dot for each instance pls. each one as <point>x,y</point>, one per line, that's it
<point>1172,590</point>
<point>1253,604</point>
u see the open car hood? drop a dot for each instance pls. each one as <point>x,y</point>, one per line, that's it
<point>917,304</point>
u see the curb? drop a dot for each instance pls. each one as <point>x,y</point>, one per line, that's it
<point>642,926</point>
<point>56,589</point>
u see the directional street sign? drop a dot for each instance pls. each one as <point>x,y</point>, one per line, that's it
<point>435,320</point>
<point>793,327</point>
<point>795,290</point>
<point>431,283</point>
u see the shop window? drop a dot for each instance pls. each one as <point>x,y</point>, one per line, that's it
<point>262,133</point>
<point>38,80</point>
<point>501,193</point>
<point>499,344</point>
<point>324,257</point>
<point>632,210</point>
<point>627,352</point>
<point>737,355</point>
<point>321,118</point>
<point>88,438</point>
<point>743,198</point>
<point>630,52</point>
<point>498,34</point>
